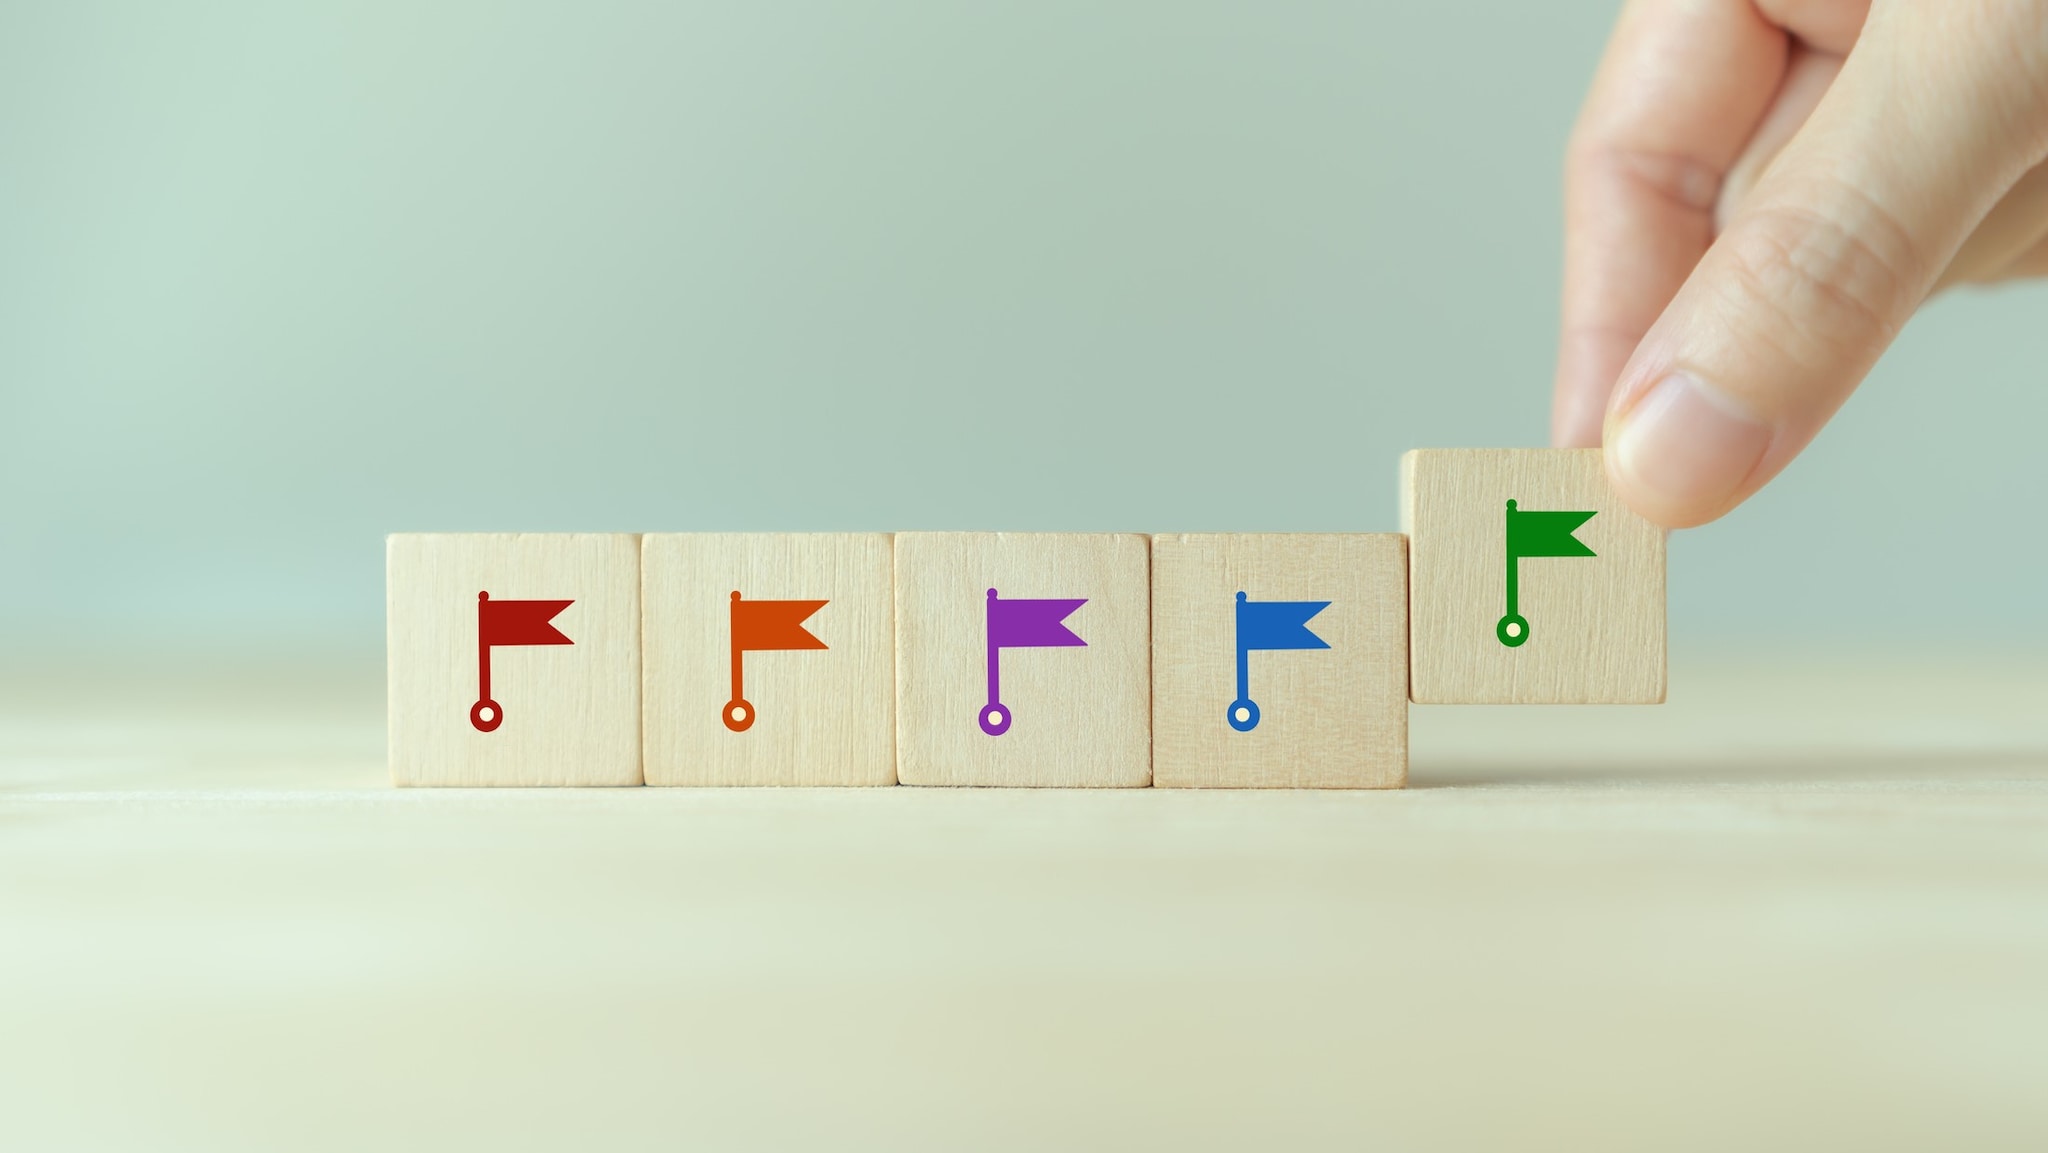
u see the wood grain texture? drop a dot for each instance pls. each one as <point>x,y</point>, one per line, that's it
<point>1080,717</point>
<point>1596,624</point>
<point>821,716</point>
<point>571,712</point>
<point>1328,718</point>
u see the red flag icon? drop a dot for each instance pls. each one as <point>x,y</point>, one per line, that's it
<point>759,626</point>
<point>508,623</point>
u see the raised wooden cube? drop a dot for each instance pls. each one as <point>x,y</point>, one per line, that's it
<point>514,658</point>
<point>769,659</point>
<point>1280,661</point>
<point>1023,659</point>
<point>1529,581</point>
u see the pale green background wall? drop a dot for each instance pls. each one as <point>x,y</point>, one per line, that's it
<point>275,279</point>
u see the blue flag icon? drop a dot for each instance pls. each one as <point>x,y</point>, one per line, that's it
<point>1268,625</point>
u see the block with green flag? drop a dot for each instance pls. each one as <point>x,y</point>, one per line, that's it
<point>1535,534</point>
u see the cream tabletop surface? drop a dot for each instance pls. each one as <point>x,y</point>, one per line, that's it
<point>1800,906</point>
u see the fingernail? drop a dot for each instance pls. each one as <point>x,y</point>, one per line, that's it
<point>1684,449</point>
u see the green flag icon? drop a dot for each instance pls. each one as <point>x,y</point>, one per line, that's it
<point>1535,534</point>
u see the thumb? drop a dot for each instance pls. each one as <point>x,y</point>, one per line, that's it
<point>1936,113</point>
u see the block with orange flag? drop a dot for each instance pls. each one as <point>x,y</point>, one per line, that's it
<point>768,659</point>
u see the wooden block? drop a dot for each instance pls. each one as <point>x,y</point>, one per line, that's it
<point>1302,685</point>
<point>553,698</point>
<point>1582,621</point>
<point>793,683</point>
<point>1063,695</point>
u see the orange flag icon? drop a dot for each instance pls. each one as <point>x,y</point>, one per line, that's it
<point>759,626</point>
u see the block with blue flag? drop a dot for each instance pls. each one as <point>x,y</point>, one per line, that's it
<point>1268,625</point>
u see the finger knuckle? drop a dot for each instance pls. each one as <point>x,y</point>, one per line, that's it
<point>1830,282</point>
<point>1672,177</point>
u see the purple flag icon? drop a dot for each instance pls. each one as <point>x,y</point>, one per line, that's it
<point>1021,623</point>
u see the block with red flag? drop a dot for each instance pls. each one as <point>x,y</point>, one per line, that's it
<point>503,622</point>
<point>762,626</point>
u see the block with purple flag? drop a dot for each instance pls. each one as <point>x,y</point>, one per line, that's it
<point>1267,625</point>
<point>1022,623</point>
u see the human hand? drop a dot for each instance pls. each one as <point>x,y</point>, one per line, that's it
<point>1758,195</point>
